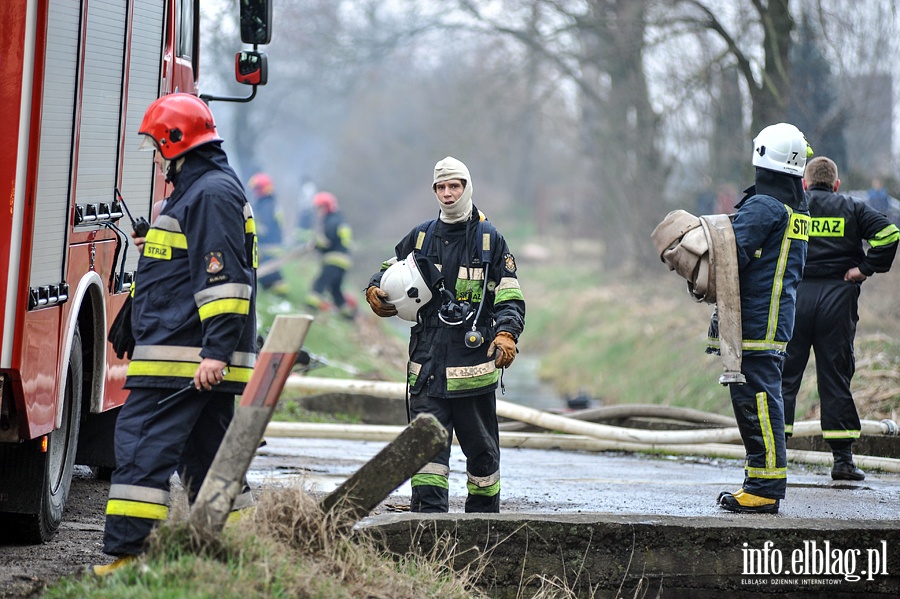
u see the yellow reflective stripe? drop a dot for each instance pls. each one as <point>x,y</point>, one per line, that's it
<point>250,226</point>
<point>490,491</point>
<point>224,306</point>
<point>345,234</point>
<point>136,509</point>
<point>420,239</point>
<point>429,480</point>
<point>339,259</point>
<point>788,428</point>
<point>235,374</point>
<point>508,295</point>
<point>766,472</point>
<point>475,382</point>
<point>888,235</point>
<point>778,283</point>
<point>847,434</point>
<point>765,428</point>
<point>167,238</point>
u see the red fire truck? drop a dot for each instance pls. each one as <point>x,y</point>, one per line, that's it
<point>75,79</point>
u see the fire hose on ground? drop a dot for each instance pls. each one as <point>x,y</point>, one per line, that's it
<point>588,436</point>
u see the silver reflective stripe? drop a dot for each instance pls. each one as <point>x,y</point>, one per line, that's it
<point>228,290</point>
<point>243,501</point>
<point>465,372</point>
<point>136,493</point>
<point>177,353</point>
<point>166,353</point>
<point>167,223</point>
<point>483,481</point>
<point>433,468</point>
<point>508,283</point>
<point>248,211</point>
<point>470,274</point>
<point>414,368</point>
<point>242,358</point>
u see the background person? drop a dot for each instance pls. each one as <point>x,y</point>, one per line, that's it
<point>194,324</point>
<point>449,375</point>
<point>333,242</point>
<point>770,230</point>
<point>837,263</point>
<point>268,229</point>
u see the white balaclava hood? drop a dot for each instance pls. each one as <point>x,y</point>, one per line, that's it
<point>461,209</point>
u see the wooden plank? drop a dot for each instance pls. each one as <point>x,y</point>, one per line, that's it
<point>224,481</point>
<point>417,445</point>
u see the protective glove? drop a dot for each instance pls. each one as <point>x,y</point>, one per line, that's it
<point>376,298</point>
<point>503,348</point>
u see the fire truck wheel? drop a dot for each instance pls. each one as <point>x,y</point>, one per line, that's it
<point>48,475</point>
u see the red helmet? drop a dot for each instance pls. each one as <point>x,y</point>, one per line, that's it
<point>262,185</point>
<point>323,199</point>
<point>178,123</point>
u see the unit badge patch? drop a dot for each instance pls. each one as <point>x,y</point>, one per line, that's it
<point>214,262</point>
<point>509,263</point>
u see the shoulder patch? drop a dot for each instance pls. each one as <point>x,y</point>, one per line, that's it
<point>509,263</point>
<point>215,262</point>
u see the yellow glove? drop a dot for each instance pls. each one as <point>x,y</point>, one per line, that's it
<point>503,349</point>
<point>376,298</point>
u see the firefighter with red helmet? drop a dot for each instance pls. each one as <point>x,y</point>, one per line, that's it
<point>333,242</point>
<point>194,324</point>
<point>268,229</point>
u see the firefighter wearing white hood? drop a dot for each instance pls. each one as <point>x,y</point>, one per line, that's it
<point>455,277</point>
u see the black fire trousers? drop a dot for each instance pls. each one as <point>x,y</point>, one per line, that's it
<point>825,322</point>
<point>152,441</point>
<point>474,420</point>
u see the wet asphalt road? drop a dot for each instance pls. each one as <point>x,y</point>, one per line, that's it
<point>557,481</point>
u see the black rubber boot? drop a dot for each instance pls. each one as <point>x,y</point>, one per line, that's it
<point>844,468</point>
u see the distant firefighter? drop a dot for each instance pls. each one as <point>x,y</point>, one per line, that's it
<point>268,229</point>
<point>333,240</point>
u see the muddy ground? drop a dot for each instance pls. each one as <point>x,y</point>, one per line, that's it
<point>26,569</point>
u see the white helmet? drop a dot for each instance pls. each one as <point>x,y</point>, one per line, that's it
<point>781,148</point>
<point>406,287</point>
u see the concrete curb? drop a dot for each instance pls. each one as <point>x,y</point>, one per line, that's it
<point>599,555</point>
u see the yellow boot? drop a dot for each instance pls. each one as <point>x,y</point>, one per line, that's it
<point>747,503</point>
<point>107,569</point>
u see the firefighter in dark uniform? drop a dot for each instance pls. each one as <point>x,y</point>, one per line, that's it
<point>194,325</point>
<point>268,230</point>
<point>333,242</point>
<point>827,301</point>
<point>463,337</point>
<point>771,232</point>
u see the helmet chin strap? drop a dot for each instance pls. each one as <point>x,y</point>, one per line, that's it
<point>172,168</point>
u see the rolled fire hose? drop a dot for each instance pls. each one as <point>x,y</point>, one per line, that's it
<point>386,434</point>
<point>554,422</point>
<point>621,412</point>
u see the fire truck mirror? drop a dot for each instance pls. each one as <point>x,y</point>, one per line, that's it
<point>250,68</point>
<point>256,21</point>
